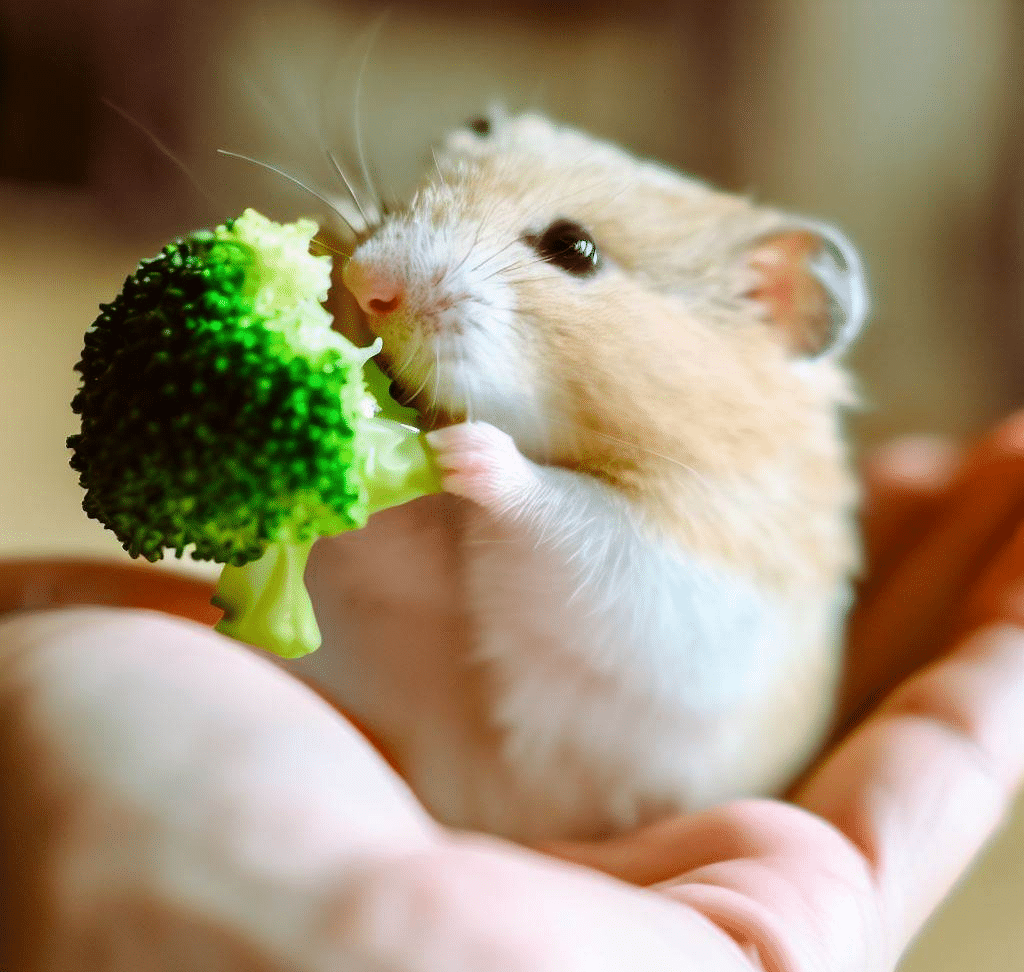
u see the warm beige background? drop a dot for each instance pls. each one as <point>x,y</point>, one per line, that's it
<point>898,119</point>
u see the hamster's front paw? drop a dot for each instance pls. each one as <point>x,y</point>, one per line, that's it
<point>483,464</point>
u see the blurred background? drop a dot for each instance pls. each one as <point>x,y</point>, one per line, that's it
<point>899,120</point>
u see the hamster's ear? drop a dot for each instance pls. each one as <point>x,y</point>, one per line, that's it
<point>811,281</point>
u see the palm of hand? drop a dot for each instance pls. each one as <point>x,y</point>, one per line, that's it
<point>839,878</point>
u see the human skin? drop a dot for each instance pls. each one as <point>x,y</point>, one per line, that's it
<point>172,800</point>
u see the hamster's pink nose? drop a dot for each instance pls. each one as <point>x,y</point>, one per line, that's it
<point>375,290</point>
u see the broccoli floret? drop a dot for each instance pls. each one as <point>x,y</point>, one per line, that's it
<point>221,414</point>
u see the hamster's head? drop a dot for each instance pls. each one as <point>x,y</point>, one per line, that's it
<point>602,310</point>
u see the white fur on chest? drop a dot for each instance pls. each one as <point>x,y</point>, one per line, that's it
<point>570,678</point>
<point>631,679</point>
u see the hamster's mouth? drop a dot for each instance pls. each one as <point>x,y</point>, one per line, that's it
<point>410,356</point>
<point>431,376</point>
<point>452,359</point>
<point>448,380</point>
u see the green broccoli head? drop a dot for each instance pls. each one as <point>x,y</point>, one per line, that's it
<point>221,414</point>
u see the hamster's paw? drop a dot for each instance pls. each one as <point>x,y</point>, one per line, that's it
<point>483,464</point>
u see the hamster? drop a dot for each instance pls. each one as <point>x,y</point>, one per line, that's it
<point>630,600</point>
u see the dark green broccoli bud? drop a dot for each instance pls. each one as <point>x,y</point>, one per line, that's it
<point>222,415</point>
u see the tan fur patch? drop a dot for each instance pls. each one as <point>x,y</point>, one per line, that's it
<point>662,374</point>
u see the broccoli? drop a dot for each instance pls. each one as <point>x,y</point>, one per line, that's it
<point>221,413</point>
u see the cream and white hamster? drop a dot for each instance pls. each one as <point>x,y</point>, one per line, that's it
<point>631,600</point>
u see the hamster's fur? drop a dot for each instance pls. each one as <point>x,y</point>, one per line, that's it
<point>631,601</point>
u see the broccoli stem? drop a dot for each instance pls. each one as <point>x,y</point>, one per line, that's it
<point>398,466</point>
<point>265,601</point>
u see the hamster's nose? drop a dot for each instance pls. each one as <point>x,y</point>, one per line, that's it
<point>376,291</point>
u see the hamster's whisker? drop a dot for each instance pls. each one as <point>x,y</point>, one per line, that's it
<point>375,30</point>
<point>292,179</point>
<point>437,168</point>
<point>401,371</point>
<point>659,455</point>
<point>437,375</point>
<point>423,384</point>
<point>162,148</point>
<point>404,366</point>
<point>490,305</point>
<point>464,377</point>
<point>487,219</point>
<point>517,265</point>
<point>651,452</point>
<point>335,164</point>
<point>330,249</point>
<point>598,186</point>
<point>469,249</point>
<point>510,266</point>
<point>348,187</point>
<point>493,256</point>
<point>524,278</point>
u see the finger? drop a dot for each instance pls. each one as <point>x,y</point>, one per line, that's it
<point>927,779</point>
<point>662,850</point>
<point>904,484</point>
<point>672,848</point>
<point>904,619</point>
<point>999,594</point>
<point>906,481</point>
<point>148,761</point>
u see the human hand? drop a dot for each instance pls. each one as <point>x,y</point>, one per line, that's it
<point>939,525</point>
<point>191,806</point>
<point>925,780</point>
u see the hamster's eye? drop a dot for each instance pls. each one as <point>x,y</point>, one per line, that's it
<point>569,247</point>
<point>480,126</point>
